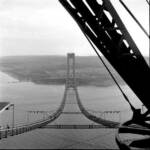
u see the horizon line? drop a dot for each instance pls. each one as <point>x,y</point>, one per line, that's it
<point>58,55</point>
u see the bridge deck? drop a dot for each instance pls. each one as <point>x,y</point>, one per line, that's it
<point>72,107</point>
<point>74,126</point>
<point>65,139</point>
<point>62,139</point>
<point>68,114</point>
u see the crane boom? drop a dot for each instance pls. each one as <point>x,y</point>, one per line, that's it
<point>103,26</point>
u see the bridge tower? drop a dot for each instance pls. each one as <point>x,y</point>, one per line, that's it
<point>70,82</point>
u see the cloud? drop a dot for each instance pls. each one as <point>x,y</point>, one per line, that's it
<point>30,4</point>
<point>35,26</point>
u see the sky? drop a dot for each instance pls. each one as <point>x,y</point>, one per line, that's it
<point>44,27</point>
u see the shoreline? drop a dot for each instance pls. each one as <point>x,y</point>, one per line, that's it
<point>61,81</point>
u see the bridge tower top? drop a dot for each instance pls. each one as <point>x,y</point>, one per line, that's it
<point>70,70</point>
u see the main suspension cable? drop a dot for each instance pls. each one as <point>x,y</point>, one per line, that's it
<point>124,95</point>
<point>136,20</point>
<point>148,2</point>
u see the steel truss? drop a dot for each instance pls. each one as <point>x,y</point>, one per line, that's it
<point>102,25</point>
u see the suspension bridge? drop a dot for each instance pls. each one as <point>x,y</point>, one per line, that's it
<point>71,115</point>
<point>106,33</point>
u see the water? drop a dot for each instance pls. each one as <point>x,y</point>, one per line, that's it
<point>29,96</point>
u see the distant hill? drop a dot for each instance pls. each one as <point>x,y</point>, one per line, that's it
<point>52,69</point>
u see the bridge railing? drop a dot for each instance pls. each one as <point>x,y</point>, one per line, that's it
<point>4,133</point>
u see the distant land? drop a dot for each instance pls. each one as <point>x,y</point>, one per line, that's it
<point>52,70</point>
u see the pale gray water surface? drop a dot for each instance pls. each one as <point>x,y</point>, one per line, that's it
<point>29,96</point>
